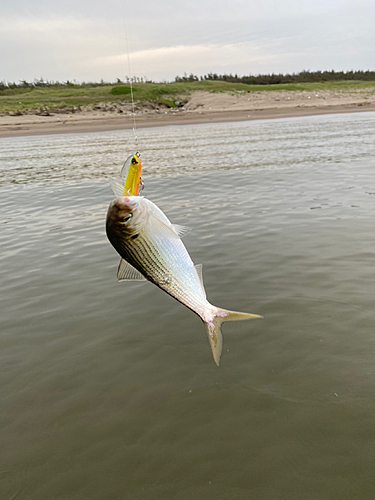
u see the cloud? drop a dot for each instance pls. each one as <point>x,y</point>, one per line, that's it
<point>34,25</point>
<point>249,36</point>
<point>168,62</point>
<point>55,48</point>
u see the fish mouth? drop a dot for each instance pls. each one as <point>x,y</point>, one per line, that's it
<point>126,202</point>
<point>123,206</point>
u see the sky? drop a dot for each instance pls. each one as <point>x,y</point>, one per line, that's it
<point>80,40</point>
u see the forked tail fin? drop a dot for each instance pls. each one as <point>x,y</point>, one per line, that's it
<point>213,329</point>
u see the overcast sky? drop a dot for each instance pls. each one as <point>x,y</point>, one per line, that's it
<point>87,40</point>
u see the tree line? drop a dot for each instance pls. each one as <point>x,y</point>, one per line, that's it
<point>270,79</point>
<point>41,83</point>
<point>273,79</point>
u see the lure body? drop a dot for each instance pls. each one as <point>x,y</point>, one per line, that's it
<point>133,178</point>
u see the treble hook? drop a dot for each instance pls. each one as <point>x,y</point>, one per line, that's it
<point>141,186</point>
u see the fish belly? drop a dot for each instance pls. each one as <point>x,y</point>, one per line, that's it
<point>166,263</point>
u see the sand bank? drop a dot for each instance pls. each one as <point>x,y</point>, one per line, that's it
<point>202,107</point>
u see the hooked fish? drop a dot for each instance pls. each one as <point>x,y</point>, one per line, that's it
<point>151,249</point>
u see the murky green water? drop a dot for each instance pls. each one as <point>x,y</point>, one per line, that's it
<point>108,390</point>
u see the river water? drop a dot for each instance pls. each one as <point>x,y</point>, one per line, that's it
<point>108,390</point>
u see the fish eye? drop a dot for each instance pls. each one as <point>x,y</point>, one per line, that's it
<point>128,217</point>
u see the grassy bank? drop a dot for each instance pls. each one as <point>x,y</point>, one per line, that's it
<point>73,97</point>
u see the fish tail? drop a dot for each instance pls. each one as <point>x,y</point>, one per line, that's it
<point>213,328</point>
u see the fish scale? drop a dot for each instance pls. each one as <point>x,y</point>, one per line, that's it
<point>149,243</point>
<point>165,258</point>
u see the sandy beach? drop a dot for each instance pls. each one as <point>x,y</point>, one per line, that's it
<point>202,107</point>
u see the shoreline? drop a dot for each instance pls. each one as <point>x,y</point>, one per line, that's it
<point>202,108</point>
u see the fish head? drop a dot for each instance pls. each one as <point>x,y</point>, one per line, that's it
<point>126,217</point>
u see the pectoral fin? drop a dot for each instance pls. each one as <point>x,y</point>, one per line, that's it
<point>126,272</point>
<point>161,230</point>
<point>155,211</point>
<point>181,230</point>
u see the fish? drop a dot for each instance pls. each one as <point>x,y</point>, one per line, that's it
<point>151,249</point>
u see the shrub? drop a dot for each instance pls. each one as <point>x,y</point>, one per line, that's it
<point>120,90</point>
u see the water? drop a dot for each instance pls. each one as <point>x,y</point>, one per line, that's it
<point>108,390</point>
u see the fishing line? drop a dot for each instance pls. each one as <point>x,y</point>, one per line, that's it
<point>131,91</point>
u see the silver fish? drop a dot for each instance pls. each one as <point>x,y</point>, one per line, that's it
<point>151,249</point>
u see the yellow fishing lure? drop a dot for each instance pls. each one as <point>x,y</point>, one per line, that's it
<point>133,181</point>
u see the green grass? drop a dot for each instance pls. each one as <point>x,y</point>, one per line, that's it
<point>60,96</point>
<point>121,90</point>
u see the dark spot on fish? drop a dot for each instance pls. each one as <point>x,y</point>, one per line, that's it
<point>134,236</point>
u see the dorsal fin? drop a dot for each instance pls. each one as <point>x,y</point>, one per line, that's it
<point>199,269</point>
<point>126,272</point>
